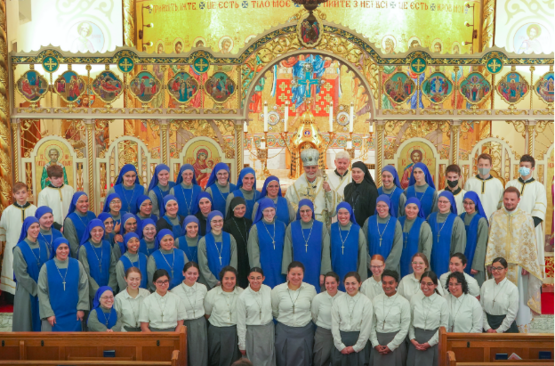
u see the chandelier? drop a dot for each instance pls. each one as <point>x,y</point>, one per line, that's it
<point>310,5</point>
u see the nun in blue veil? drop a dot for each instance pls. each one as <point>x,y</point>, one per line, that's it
<point>219,187</point>
<point>160,186</point>
<point>417,235</point>
<point>47,233</point>
<point>449,233</point>
<point>391,187</point>
<point>246,188</point>
<point>103,316</point>
<point>477,230</point>
<point>186,190</point>
<point>145,209</point>
<point>421,186</point>
<point>128,188</point>
<point>285,211</point>
<point>76,220</point>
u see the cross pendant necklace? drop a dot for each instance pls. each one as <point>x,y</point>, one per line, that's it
<point>439,230</point>
<point>63,277</point>
<point>307,240</point>
<point>219,250</point>
<point>383,232</point>
<point>343,241</point>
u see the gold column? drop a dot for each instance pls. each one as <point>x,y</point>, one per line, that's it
<point>90,123</point>
<point>164,148</point>
<point>16,151</point>
<point>129,23</point>
<point>488,24</point>
<point>380,128</point>
<point>531,134</point>
<point>239,146</point>
<point>455,135</point>
<point>5,139</point>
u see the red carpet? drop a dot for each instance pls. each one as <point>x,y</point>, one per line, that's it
<point>9,308</point>
<point>547,300</point>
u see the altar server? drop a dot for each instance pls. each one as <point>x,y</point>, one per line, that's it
<point>78,217</point>
<point>391,187</point>
<point>167,257</point>
<point>458,263</point>
<point>361,193</point>
<point>285,212</point>
<point>341,176</point>
<point>489,189</point>
<point>96,256</point>
<point>162,310</point>
<point>255,328</point>
<point>56,194</point>
<point>465,311</point>
<point>216,250</point>
<point>220,306</point>
<point>128,301</point>
<point>417,235</point>
<point>47,233</point>
<point>349,251</point>
<point>29,256</point>
<point>171,220</point>
<point>384,234</point>
<point>307,241</point>
<point>449,233</point>
<point>246,188</point>
<point>144,210</point>
<point>266,240</point>
<point>128,188</point>
<point>410,284</point>
<point>160,186</point>
<point>219,186</point>
<point>429,311</point>
<point>63,291</point>
<point>421,186</point>
<point>390,324</point>
<point>499,298</point>
<point>186,190</point>
<point>104,317</point>
<point>476,225</point>
<point>239,226</point>
<point>192,295</point>
<point>373,286</point>
<point>148,241</point>
<point>453,177</point>
<point>131,258</point>
<point>204,204</point>
<point>291,306</point>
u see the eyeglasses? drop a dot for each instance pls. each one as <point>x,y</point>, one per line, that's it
<point>498,269</point>
<point>162,282</point>
<point>106,298</point>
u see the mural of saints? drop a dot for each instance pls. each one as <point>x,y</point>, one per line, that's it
<point>53,155</point>
<point>416,156</point>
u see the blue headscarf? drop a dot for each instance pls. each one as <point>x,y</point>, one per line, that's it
<point>188,220</point>
<point>305,202</point>
<point>202,195</point>
<point>157,170</point>
<point>211,215</point>
<point>385,198</point>
<point>141,200</point>
<point>104,216</point>
<point>126,169</point>
<point>92,224</point>
<point>126,217</point>
<point>129,236</point>
<point>57,242</point>
<point>263,204</point>
<point>220,166</point>
<point>245,171</point>
<point>168,198</point>
<point>476,199</point>
<point>184,167</point>
<point>417,202</point>
<point>427,174</point>
<point>74,200</point>
<point>451,199</point>
<point>391,169</point>
<point>347,207</point>
<point>26,225</point>
<point>109,199</point>
<point>146,222</point>
<point>271,178</point>
<point>41,211</point>
<point>161,235</point>
<point>98,295</point>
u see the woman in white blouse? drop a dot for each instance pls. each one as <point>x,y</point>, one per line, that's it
<point>291,305</point>
<point>321,316</point>
<point>390,324</point>
<point>220,307</point>
<point>499,298</point>
<point>255,326</point>
<point>161,311</point>
<point>351,323</point>
<point>128,301</point>
<point>465,311</point>
<point>192,296</point>
<point>372,287</point>
<point>429,311</point>
<point>410,284</point>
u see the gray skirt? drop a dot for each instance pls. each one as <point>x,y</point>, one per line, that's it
<point>495,322</point>
<point>223,347</point>
<point>152,329</point>
<point>294,345</point>
<point>260,343</point>
<point>323,344</point>
<point>395,358</point>
<point>429,357</point>
<point>354,359</point>
<point>197,342</point>
<point>133,329</point>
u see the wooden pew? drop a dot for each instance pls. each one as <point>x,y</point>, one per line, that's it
<point>87,348</point>
<point>473,349</point>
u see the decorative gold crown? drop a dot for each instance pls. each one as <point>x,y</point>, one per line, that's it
<point>310,157</point>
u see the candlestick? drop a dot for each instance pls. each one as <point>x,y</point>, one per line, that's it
<point>286,115</point>
<point>245,130</point>
<point>349,144</point>
<point>265,116</point>
<point>371,129</point>
<point>351,117</point>
<point>331,117</point>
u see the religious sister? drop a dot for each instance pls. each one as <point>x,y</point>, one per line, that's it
<point>171,219</point>
<point>167,257</point>
<point>204,204</point>
<point>417,235</point>
<point>266,241</point>
<point>104,317</point>
<point>392,188</point>
<point>246,188</point>
<point>186,190</point>
<point>189,242</point>
<point>160,186</point>
<point>128,301</point>
<point>421,186</point>
<point>285,212</point>
<point>108,222</point>
<point>131,258</point>
<point>148,242</point>
<point>63,291</point>
<point>144,210</point>
<point>128,188</point>
<point>239,227</point>
<point>29,256</point>
<point>129,225</point>
<point>477,230</point>
<point>361,193</point>
<point>307,241</point>
<point>219,187</point>
<point>112,205</point>
<point>47,233</point>
<point>78,217</point>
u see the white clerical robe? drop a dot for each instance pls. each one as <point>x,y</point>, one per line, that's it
<point>534,201</point>
<point>58,199</point>
<point>489,190</point>
<point>323,201</point>
<point>11,223</point>
<point>459,200</point>
<point>338,185</point>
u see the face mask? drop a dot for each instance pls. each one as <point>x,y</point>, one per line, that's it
<point>483,171</point>
<point>453,183</point>
<point>524,171</point>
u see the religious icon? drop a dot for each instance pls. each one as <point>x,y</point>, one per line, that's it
<point>53,154</point>
<point>203,155</point>
<point>182,87</point>
<point>145,86</point>
<point>399,87</point>
<point>414,42</point>
<point>160,47</point>
<point>89,37</point>
<point>529,39</point>
<point>32,86</point>
<point>437,46</point>
<point>69,86</point>
<point>199,42</point>
<point>178,45</point>
<point>220,87</point>
<point>512,87</point>
<point>107,86</point>
<point>456,48</point>
<point>250,38</point>
<point>544,87</point>
<point>437,87</point>
<point>416,156</point>
<point>225,44</point>
<point>309,31</point>
<point>52,151</point>
<point>412,153</point>
<point>475,88</point>
<point>389,43</point>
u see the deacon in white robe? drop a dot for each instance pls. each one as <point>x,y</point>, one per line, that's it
<point>340,177</point>
<point>58,199</point>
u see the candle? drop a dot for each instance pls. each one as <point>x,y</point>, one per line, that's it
<point>265,116</point>
<point>285,116</point>
<point>331,117</point>
<point>245,130</point>
<point>351,117</point>
<point>371,126</point>
<point>349,144</point>
<point>262,144</point>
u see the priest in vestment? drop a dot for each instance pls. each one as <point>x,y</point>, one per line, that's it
<point>340,177</point>
<point>512,236</point>
<point>311,186</point>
